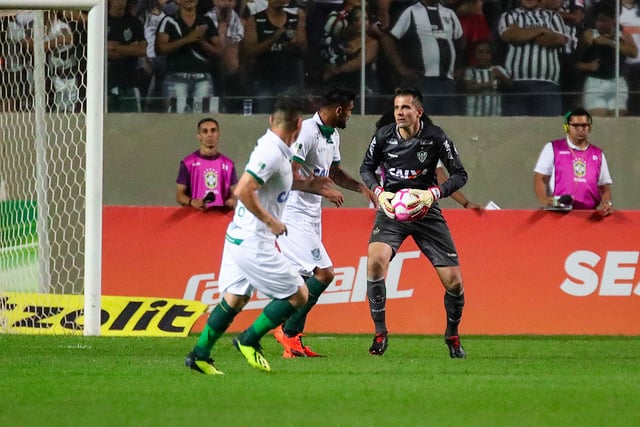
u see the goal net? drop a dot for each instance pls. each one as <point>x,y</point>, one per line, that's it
<point>50,164</point>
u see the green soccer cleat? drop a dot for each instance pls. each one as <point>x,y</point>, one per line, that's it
<point>204,366</point>
<point>253,354</point>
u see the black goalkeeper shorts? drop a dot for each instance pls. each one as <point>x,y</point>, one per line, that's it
<point>431,234</point>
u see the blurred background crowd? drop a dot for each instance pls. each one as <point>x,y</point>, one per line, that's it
<point>468,57</point>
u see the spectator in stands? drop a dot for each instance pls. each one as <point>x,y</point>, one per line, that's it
<point>77,20</point>
<point>276,44</point>
<point>630,21</point>
<point>535,39</point>
<point>61,62</point>
<point>207,178</point>
<point>492,9</point>
<point>572,171</point>
<point>5,102</point>
<point>125,44</point>
<point>250,8</point>
<point>572,13</point>
<point>336,22</point>
<point>343,56</point>
<point>151,12</point>
<point>386,14</point>
<point>603,92</point>
<point>388,11</point>
<point>227,68</point>
<point>318,12</point>
<point>189,41</point>
<point>474,27</point>
<point>485,81</point>
<point>424,47</point>
<point>332,30</point>
<point>17,69</point>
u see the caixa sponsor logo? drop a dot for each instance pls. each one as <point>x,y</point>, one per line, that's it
<point>617,274</point>
<point>349,285</point>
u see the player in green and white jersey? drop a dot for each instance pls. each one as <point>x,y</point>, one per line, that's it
<point>316,153</point>
<point>250,259</point>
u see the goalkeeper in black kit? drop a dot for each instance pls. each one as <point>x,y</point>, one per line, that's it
<point>406,153</point>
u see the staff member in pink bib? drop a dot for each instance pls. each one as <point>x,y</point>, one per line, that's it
<point>572,170</point>
<point>206,177</point>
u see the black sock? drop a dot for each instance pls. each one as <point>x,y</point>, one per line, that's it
<point>453,304</point>
<point>377,295</point>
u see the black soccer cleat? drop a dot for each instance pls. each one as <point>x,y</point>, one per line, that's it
<point>379,345</point>
<point>456,351</point>
<point>204,366</point>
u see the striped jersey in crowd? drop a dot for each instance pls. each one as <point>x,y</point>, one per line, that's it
<point>431,31</point>
<point>530,61</point>
<point>487,103</point>
<point>572,30</point>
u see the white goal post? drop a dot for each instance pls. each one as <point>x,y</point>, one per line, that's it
<point>92,128</point>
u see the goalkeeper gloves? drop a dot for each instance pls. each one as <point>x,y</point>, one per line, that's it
<point>426,197</point>
<point>384,199</point>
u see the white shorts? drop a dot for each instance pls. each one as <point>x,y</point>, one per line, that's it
<point>303,247</point>
<point>257,264</point>
<point>601,94</point>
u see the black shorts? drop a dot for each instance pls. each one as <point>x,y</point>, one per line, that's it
<point>431,234</point>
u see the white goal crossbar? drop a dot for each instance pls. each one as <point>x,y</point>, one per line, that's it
<point>94,145</point>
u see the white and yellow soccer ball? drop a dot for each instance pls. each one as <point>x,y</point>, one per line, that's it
<point>405,207</point>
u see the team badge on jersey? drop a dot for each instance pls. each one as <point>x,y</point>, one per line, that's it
<point>211,178</point>
<point>315,253</point>
<point>579,168</point>
<point>422,156</point>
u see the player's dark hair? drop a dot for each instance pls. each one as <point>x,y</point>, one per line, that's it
<point>207,119</point>
<point>579,111</point>
<point>415,93</point>
<point>288,110</point>
<point>338,96</point>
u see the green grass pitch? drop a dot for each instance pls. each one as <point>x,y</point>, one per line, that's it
<point>505,381</point>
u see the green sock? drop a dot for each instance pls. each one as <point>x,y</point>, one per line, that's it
<point>273,314</point>
<point>218,322</point>
<point>295,324</point>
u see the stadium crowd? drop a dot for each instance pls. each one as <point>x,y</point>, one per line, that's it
<point>469,57</point>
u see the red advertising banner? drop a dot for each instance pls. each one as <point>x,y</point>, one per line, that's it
<point>525,271</point>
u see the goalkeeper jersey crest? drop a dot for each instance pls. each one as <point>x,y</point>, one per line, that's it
<point>412,162</point>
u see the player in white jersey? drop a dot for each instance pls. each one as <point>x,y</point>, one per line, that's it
<point>250,259</point>
<point>316,153</point>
